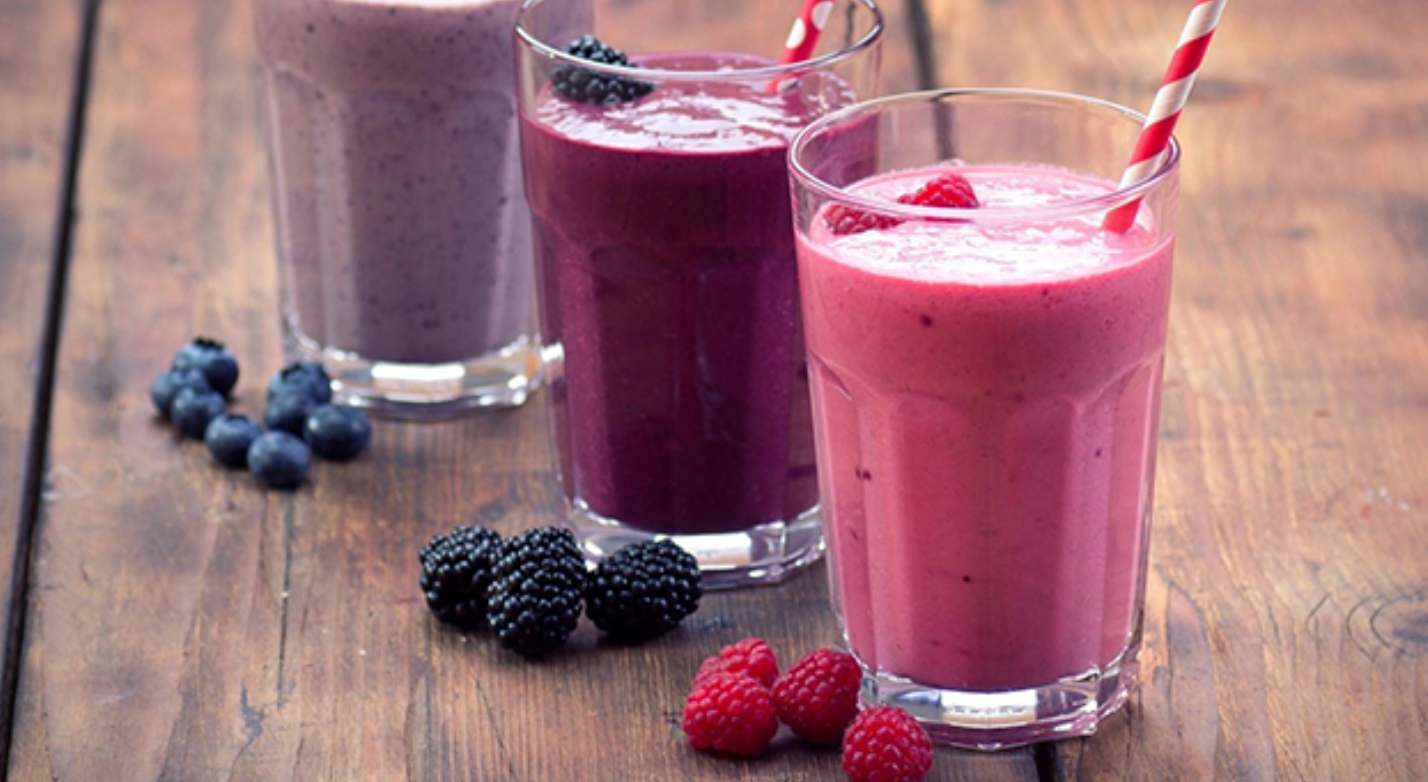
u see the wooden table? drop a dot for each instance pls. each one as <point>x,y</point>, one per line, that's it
<point>167,620</point>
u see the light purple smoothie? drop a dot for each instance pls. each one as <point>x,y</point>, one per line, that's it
<point>402,227</point>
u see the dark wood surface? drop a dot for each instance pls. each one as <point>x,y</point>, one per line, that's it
<point>1287,615</point>
<point>183,625</point>
<point>40,46</point>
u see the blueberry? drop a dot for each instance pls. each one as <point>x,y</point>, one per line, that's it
<point>193,409</point>
<point>166,386</point>
<point>279,460</point>
<point>288,412</point>
<point>213,359</point>
<point>228,437</point>
<point>307,378</point>
<point>337,433</point>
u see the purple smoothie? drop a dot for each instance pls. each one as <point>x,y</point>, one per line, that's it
<point>402,226</point>
<point>665,252</point>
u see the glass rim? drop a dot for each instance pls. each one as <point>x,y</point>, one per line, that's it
<point>1120,195</point>
<point>736,74</point>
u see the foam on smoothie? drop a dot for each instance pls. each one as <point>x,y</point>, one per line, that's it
<point>693,116</point>
<point>1003,252</point>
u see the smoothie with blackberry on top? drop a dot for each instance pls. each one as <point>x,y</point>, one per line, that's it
<point>668,281</point>
<point>669,298</point>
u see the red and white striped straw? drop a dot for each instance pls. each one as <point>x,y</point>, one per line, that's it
<point>803,38</point>
<point>806,28</point>
<point>1170,99</point>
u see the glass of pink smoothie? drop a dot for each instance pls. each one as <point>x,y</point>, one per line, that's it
<point>403,233</point>
<point>667,279</point>
<point>986,391</point>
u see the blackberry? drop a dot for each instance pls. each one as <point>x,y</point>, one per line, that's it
<point>585,86</point>
<point>644,590</point>
<point>534,601</point>
<point>456,573</point>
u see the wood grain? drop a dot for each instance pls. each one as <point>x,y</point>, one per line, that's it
<point>184,625</point>
<point>39,53</point>
<point>188,626</point>
<point>1287,617</point>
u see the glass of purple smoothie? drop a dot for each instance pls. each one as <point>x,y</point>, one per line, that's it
<point>402,228</point>
<point>667,279</point>
<point>986,395</point>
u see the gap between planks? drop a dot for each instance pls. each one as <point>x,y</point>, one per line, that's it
<point>37,447</point>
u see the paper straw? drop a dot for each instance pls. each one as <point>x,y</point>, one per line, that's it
<point>806,29</point>
<point>803,37</point>
<point>1170,99</point>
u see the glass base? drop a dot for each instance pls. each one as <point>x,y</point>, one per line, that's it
<point>1068,708</point>
<point>765,554</point>
<point>502,378</point>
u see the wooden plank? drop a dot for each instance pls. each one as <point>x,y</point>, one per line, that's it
<point>39,54</point>
<point>1289,592</point>
<point>211,630</point>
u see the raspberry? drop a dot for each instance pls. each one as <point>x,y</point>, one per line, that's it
<point>818,696</point>
<point>730,714</point>
<point>947,190</point>
<point>750,657</point>
<point>886,744</point>
<point>847,220</point>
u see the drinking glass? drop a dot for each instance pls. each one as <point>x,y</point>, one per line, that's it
<point>403,236</point>
<point>666,277</point>
<point>986,390</point>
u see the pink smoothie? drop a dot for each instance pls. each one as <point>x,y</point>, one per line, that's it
<point>985,403</point>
